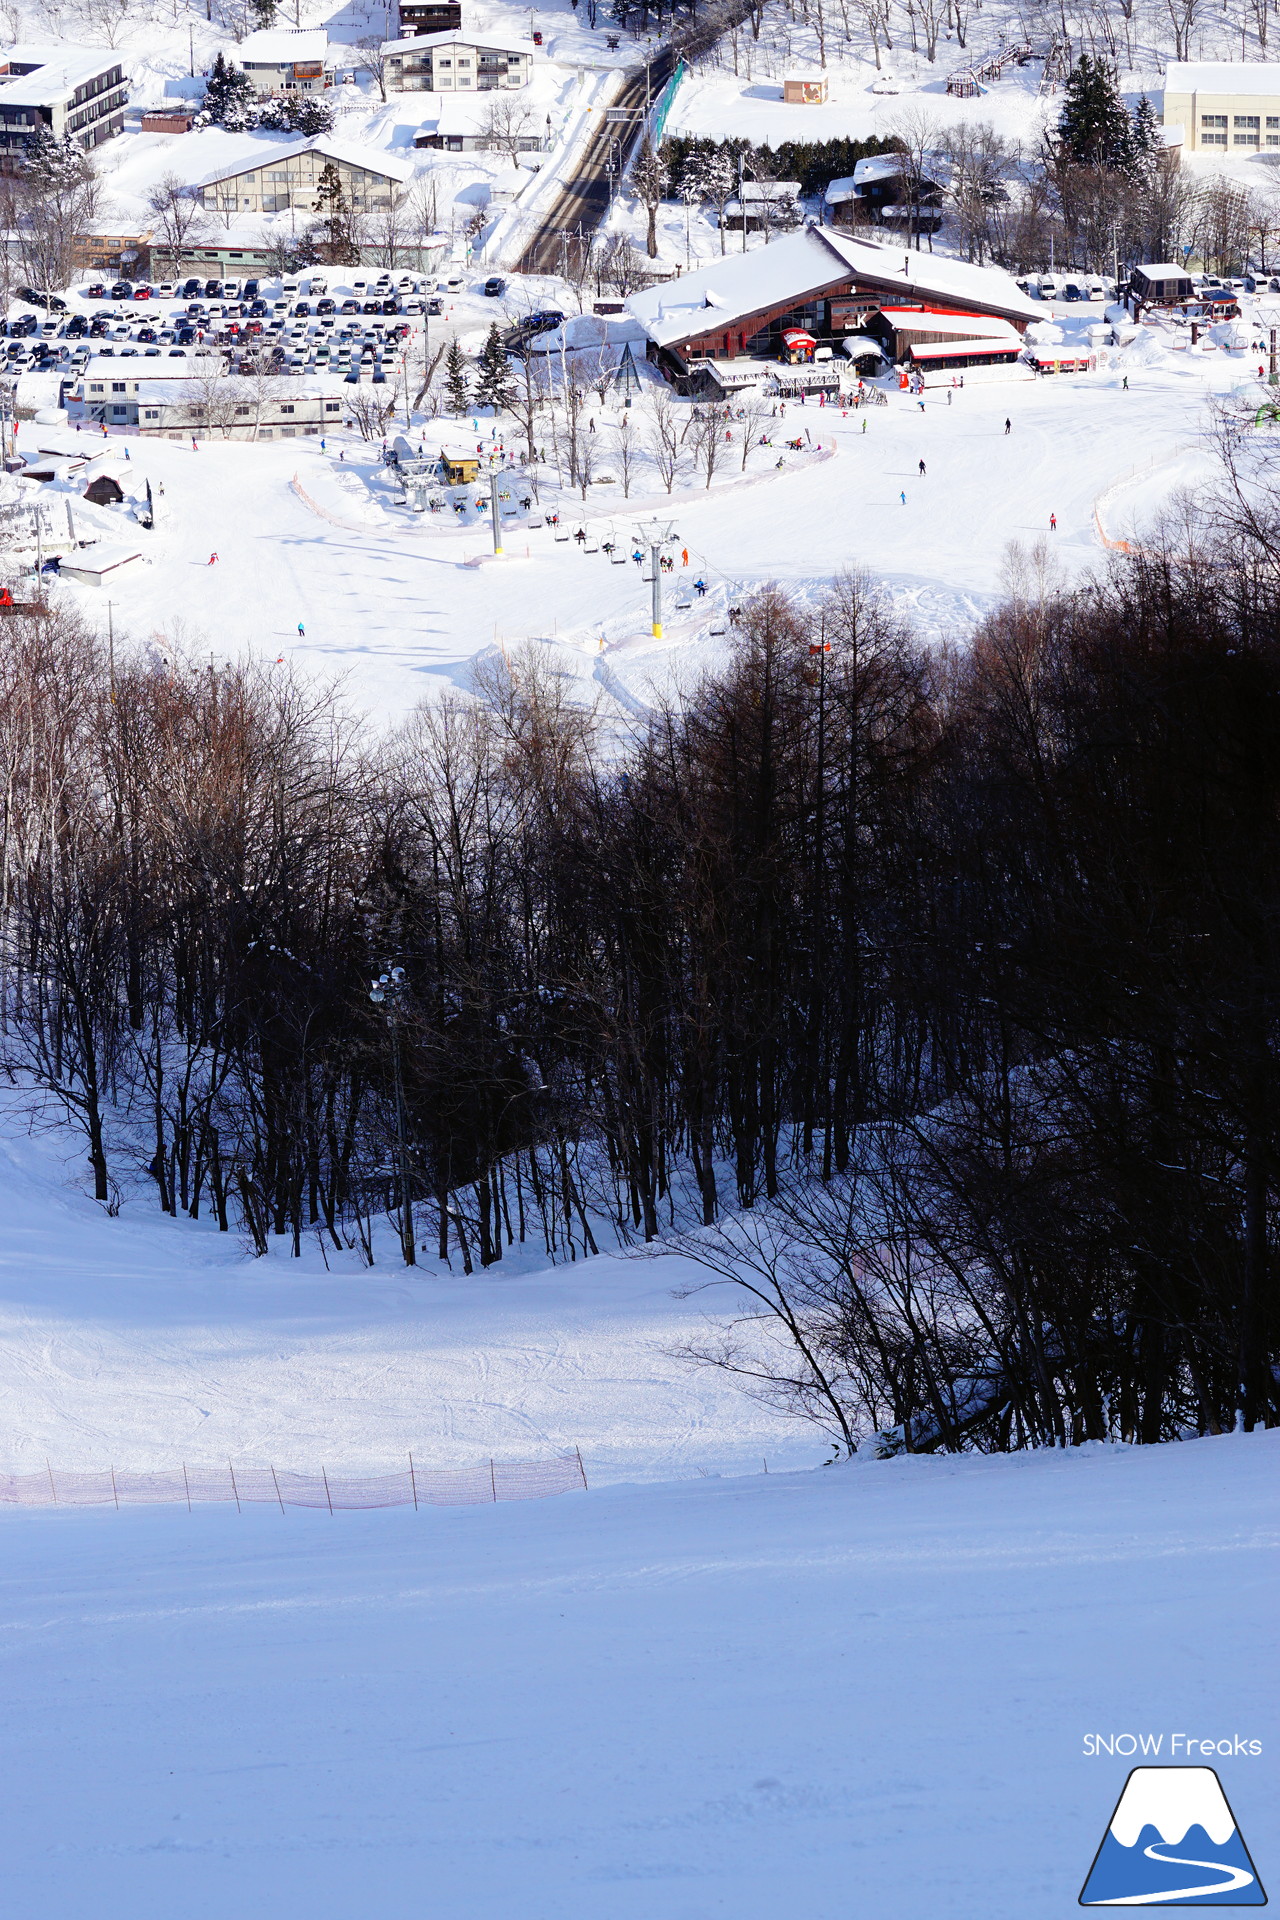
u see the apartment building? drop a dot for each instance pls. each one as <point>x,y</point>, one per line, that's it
<point>78,92</point>
<point>452,63</point>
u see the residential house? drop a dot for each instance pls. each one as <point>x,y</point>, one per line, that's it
<point>285,59</point>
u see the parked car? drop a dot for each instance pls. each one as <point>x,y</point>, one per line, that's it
<point>142,293</point>
<point>190,288</point>
<point>41,297</point>
<point>249,291</point>
<point>326,306</point>
<point>495,286</point>
<point>96,291</point>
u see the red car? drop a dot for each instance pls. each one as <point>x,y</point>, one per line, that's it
<point>142,293</point>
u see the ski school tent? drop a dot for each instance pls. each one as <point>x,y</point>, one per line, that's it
<point>799,344</point>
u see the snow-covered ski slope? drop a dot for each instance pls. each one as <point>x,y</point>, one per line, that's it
<point>138,1342</point>
<point>856,1692</point>
<point>389,601</point>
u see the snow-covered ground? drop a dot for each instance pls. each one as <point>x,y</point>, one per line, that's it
<point>139,1342</point>
<point>861,1691</point>
<point>394,602</point>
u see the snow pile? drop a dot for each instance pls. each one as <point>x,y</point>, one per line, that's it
<point>1145,351</point>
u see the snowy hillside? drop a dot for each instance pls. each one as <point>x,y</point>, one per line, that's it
<point>865,1690</point>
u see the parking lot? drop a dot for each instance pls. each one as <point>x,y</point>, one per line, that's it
<point>347,320</point>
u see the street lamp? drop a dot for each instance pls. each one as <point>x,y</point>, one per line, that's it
<point>390,994</point>
<point>654,536</point>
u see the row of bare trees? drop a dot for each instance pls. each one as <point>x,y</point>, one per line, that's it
<point>932,994</point>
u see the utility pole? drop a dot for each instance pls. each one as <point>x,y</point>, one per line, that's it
<point>390,991</point>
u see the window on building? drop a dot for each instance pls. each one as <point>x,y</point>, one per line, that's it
<point>151,413</point>
<point>1213,139</point>
<point>1246,120</point>
<point>1273,120</point>
<point>287,407</point>
<point>333,406</point>
<point>1244,140</point>
<point>1273,139</point>
<point>1213,119</point>
<point>118,386</point>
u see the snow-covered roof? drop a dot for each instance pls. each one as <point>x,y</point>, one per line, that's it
<point>278,46</point>
<point>177,393</point>
<point>113,367</point>
<point>935,275</point>
<point>372,159</point>
<point>984,326</point>
<point>1163,270</point>
<point>801,264</point>
<point>941,349</point>
<point>762,190</point>
<point>879,166</point>
<point>485,42</point>
<point>1222,76</point>
<point>839,191</point>
<point>58,70</point>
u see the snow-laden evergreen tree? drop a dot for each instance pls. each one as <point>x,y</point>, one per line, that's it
<point>495,387</point>
<point>53,163</point>
<point>456,392</point>
<point>294,113</point>
<point>229,98</point>
<point>1094,129</point>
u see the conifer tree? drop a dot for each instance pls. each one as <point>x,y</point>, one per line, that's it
<point>1094,130</point>
<point>1145,141</point>
<point>455,379</point>
<point>495,388</point>
<point>229,98</point>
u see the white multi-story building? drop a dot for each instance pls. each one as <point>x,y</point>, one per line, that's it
<point>75,92</point>
<point>286,59</point>
<point>457,63</point>
<point>1225,106</point>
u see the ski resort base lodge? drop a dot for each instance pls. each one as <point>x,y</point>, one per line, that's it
<point>834,288</point>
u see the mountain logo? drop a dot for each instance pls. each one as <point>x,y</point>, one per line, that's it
<point>1172,1842</point>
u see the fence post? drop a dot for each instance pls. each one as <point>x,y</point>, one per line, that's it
<point>115,1495</point>
<point>187,1485</point>
<point>235,1490</point>
<point>413,1483</point>
<point>581,1469</point>
<point>277,1488</point>
<point>49,1470</point>
<point>328,1496</point>
<point>493,1482</point>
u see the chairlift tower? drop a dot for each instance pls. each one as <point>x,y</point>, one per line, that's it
<point>654,535</point>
